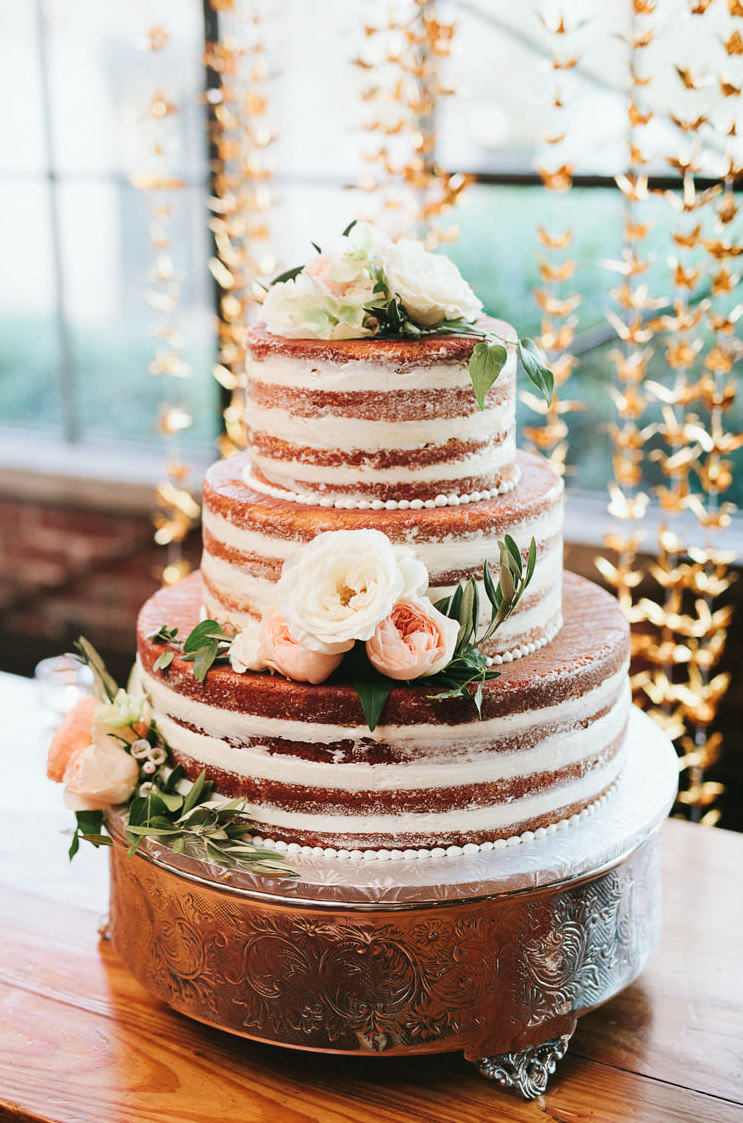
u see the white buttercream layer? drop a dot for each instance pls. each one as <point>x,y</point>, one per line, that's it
<point>457,550</point>
<point>485,462</point>
<point>555,752</point>
<point>459,821</point>
<point>362,377</point>
<point>346,434</point>
<point>229,725</point>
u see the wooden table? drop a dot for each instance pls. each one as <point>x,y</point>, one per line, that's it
<point>81,1042</point>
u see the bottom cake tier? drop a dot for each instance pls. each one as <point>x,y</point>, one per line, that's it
<point>549,744</point>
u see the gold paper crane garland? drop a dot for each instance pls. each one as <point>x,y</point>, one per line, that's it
<point>628,499</point>
<point>403,57</point>
<point>177,509</point>
<point>241,139</point>
<point>557,303</point>
<point>690,624</point>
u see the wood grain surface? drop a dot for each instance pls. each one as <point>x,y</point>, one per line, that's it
<point>82,1042</point>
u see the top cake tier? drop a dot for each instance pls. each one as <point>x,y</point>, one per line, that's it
<point>387,419</point>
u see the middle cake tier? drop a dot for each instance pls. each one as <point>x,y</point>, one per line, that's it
<point>248,536</point>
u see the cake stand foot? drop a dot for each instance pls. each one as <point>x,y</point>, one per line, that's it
<point>527,1070</point>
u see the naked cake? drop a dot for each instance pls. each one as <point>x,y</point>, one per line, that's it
<point>381,653</point>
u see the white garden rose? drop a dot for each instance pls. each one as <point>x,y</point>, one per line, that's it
<point>429,285</point>
<point>246,652</point>
<point>339,587</point>
<point>414,572</point>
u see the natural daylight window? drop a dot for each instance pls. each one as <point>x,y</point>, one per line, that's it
<point>75,324</point>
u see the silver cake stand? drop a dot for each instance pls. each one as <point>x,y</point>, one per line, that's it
<point>496,954</point>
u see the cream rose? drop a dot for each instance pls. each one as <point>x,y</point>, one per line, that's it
<point>100,775</point>
<point>414,640</point>
<point>327,300</point>
<point>338,588</point>
<point>246,652</point>
<point>285,655</point>
<point>429,285</point>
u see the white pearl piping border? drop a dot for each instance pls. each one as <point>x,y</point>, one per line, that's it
<point>342,504</point>
<point>294,850</point>
<point>525,648</point>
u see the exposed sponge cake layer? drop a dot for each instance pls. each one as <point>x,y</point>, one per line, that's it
<point>550,741</point>
<point>248,536</point>
<point>378,418</point>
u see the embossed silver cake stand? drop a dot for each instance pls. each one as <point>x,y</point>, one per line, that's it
<point>496,954</point>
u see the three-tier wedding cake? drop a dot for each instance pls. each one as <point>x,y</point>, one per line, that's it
<point>384,654</point>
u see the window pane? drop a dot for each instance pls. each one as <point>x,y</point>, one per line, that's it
<point>108,262</point>
<point>497,251</point>
<point>102,81</point>
<point>22,149</point>
<point>501,69</point>
<point>29,353</point>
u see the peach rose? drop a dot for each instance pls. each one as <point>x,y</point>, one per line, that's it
<point>75,732</point>
<point>285,655</point>
<point>100,775</point>
<point>415,639</point>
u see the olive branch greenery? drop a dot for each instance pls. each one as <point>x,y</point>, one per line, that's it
<point>388,318</point>
<point>199,826</point>
<point>185,818</point>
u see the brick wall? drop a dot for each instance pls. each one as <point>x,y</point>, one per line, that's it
<point>66,572</point>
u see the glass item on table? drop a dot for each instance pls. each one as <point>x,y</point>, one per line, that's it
<point>61,681</point>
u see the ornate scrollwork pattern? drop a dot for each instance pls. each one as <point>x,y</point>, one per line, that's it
<point>485,976</point>
<point>587,941</point>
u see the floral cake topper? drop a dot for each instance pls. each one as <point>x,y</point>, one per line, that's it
<point>363,284</point>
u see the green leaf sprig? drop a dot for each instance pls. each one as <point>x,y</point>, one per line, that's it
<point>104,685</point>
<point>206,644</point>
<point>89,828</point>
<point>195,824</point>
<point>469,666</point>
